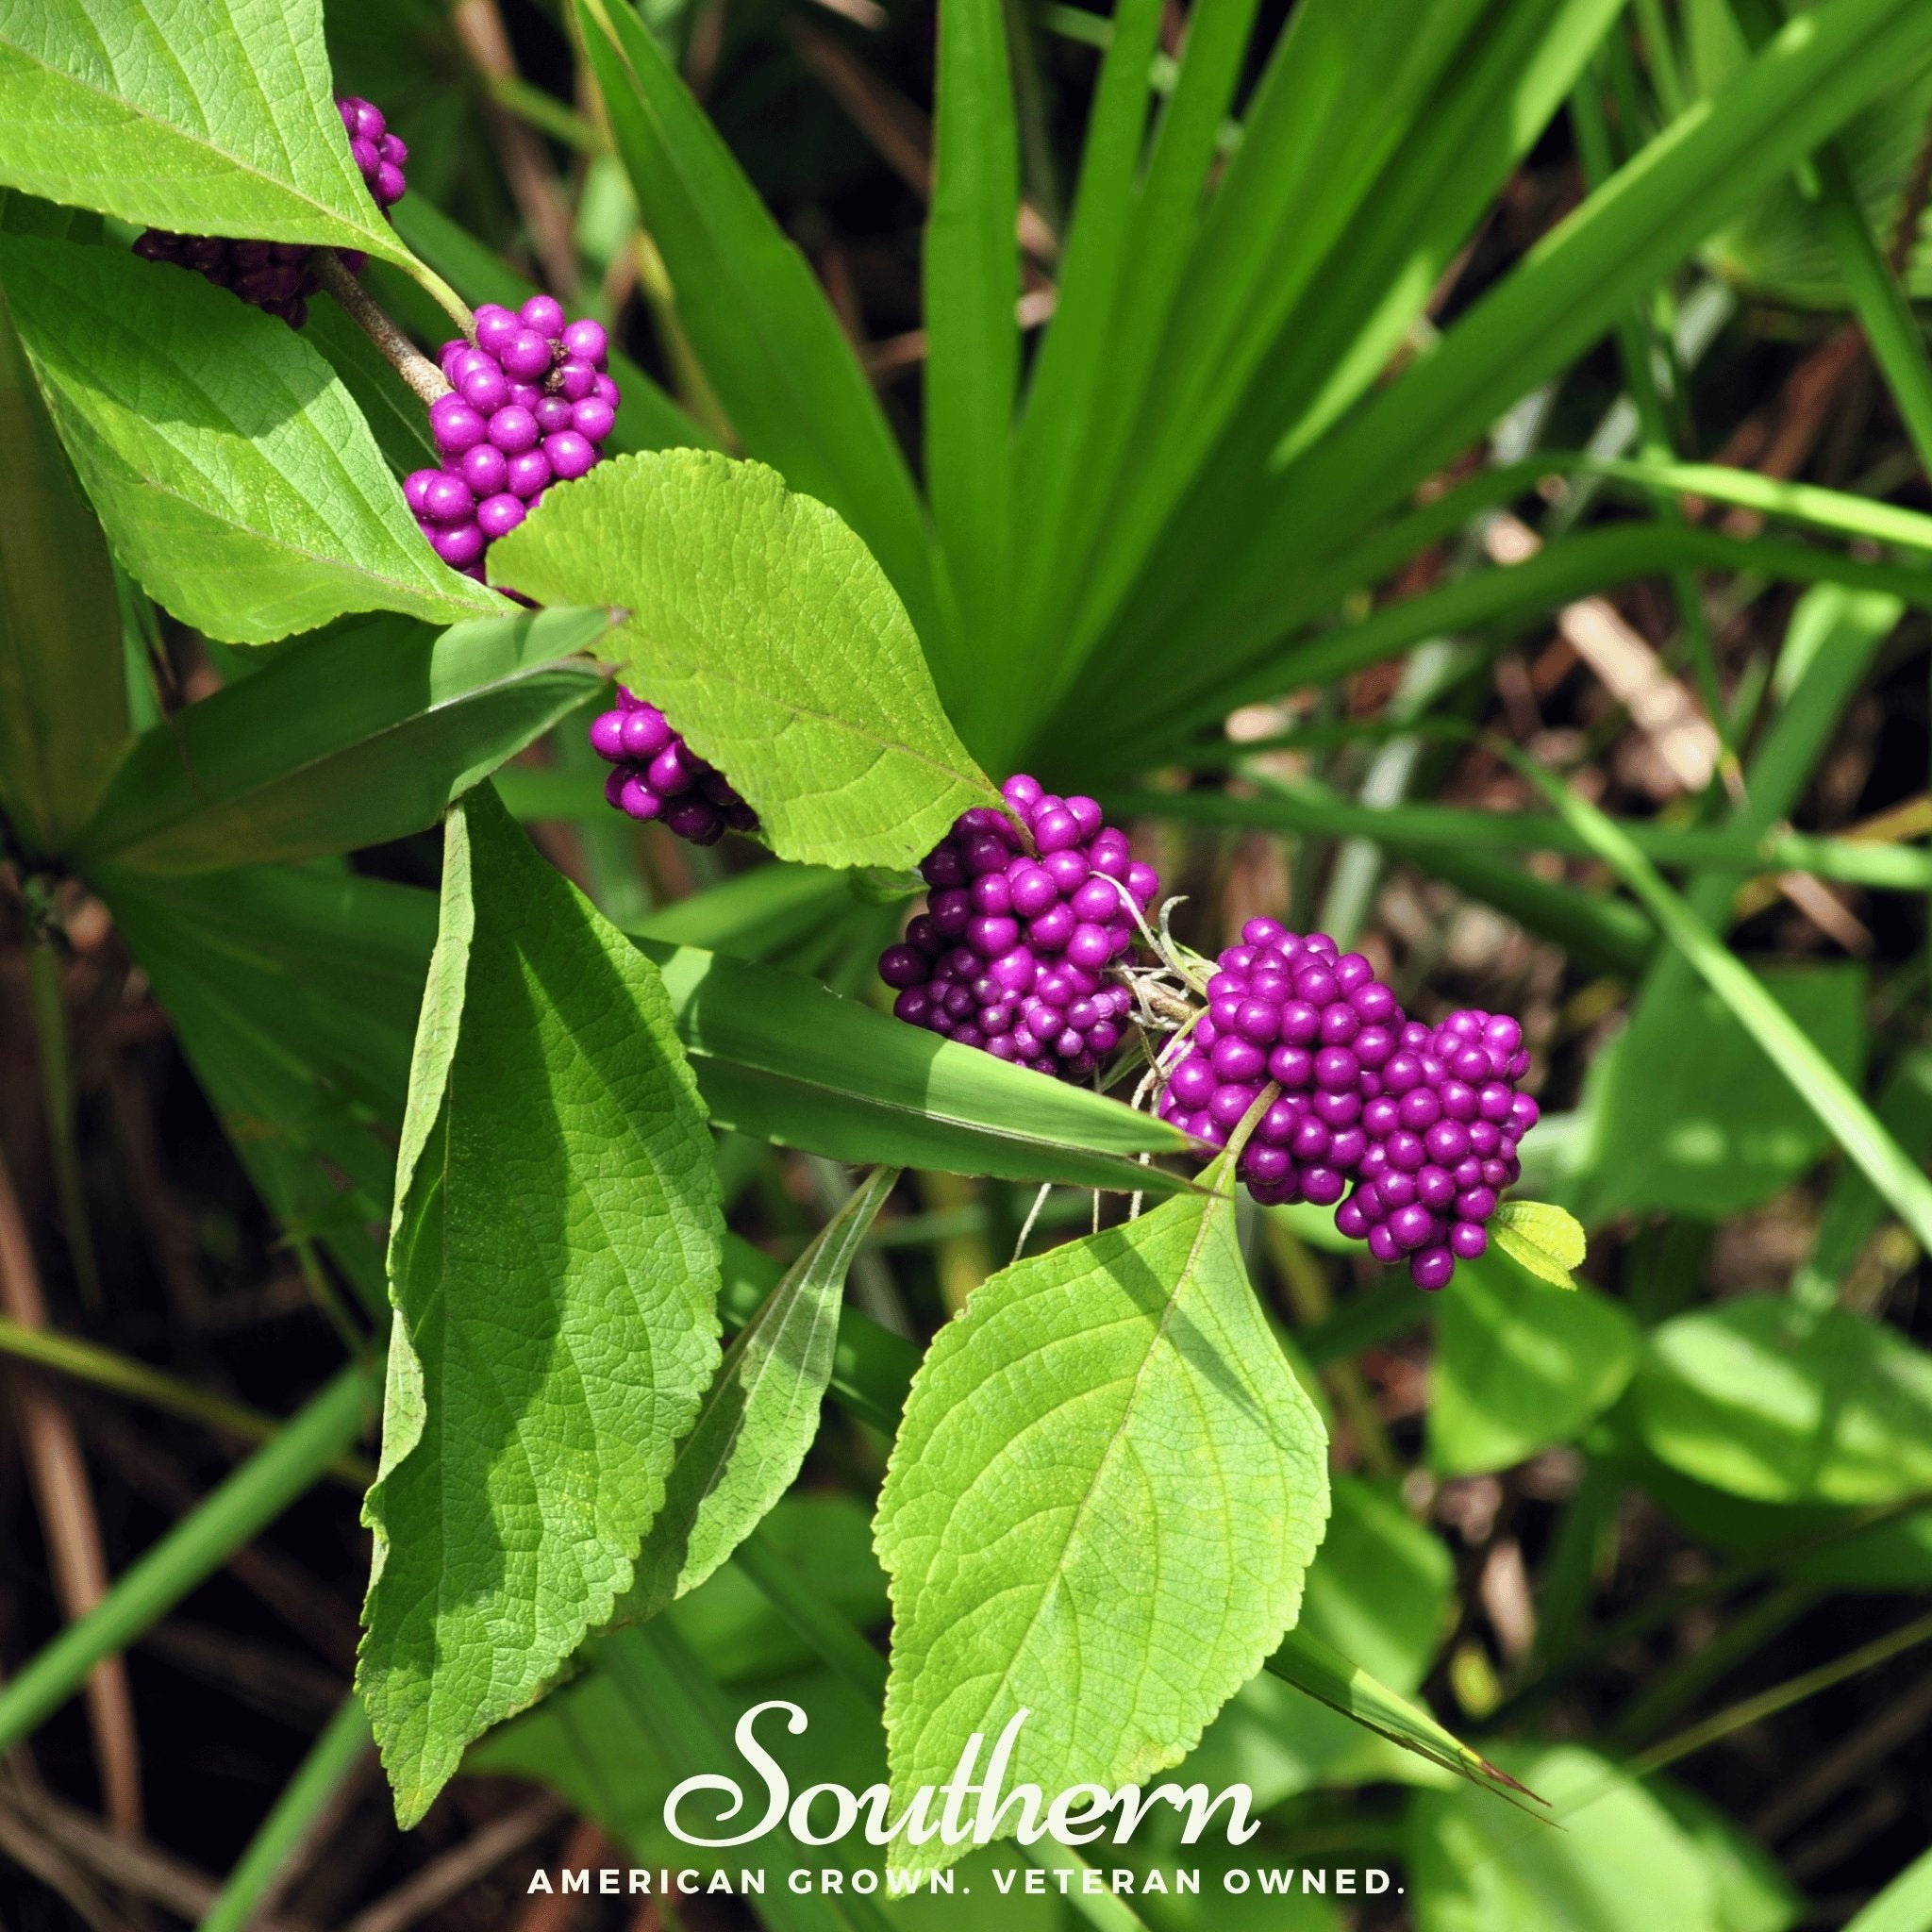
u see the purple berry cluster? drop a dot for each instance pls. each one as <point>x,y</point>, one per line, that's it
<point>1027,912</point>
<point>658,777</point>
<point>1442,1132</point>
<point>1314,1022</point>
<point>531,405</point>
<point>279,277</point>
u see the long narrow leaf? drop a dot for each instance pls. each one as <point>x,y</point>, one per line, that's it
<point>782,1057</point>
<point>343,741</point>
<point>973,337</point>
<point>1822,1086</point>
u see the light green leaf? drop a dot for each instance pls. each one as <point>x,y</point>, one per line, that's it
<point>1547,1241</point>
<point>1622,1862</point>
<point>761,625</point>
<point>554,1266</point>
<point>1519,1365</point>
<point>1905,1904</point>
<point>1711,1133</point>
<point>759,1417</point>
<point>783,1057</point>
<point>1784,1405</point>
<point>212,119</point>
<point>1105,1494</point>
<point>344,739</point>
<point>64,710</point>
<point>236,478</point>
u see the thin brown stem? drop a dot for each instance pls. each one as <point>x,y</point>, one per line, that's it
<point>398,350</point>
<point>70,1524</point>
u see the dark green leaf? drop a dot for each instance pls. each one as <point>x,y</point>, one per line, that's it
<point>63,708</point>
<point>759,1417</point>
<point>554,1267</point>
<point>345,739</point>
<point>782,1057</point>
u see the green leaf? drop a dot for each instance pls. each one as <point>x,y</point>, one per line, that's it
<point>783,1057</point>
<point>1717,1131</point>
<point>972,281</point>
<point>210,121</point>
<point>769,341</point>
<point>1545,1239</point>
<point>1105,1493</point>
<point>1307,1663</point>
<point>759,1417</point>
<point>1903,1906</point>
<point>758,622</point>
<point>1519,1365</point>
<point>236,478</point>
<point>554,1267</point>
<point>1782,1405</point>
<point>64,709</point>
<point>1622,1862</point>
<point>1380,1588</point>
<point>344,739</point>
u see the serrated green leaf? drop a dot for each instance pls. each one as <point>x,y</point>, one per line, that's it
<point>1517,1367</point>
<point>761,625</point>
<point>345,739</point>
<point>759,1417</point>
<point>236,478</point>
<point>554,1267</point>
<point>63,708</point>
<point>213,119</point>
<point>1533,1256</point>
<point>781,1056</point>
<point>1786,1405</point>
<point>1105,1493</point>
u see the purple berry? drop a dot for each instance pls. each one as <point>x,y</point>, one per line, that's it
<point>544,314</point>
<point>456,425</point>
<point>497,516</point>
<point>530,472</point>
<point>512,429</point>
<point>584,341</point>
<point>496,329</point>
<point>446,499</point>
<point>457,545</point>
<point>485,469</point>
<point>526,355</point>
<point>593,418</point>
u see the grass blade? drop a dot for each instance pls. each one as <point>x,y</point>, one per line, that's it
<point>1822,1086</point>
<point>254,1496</point>
<point>973,338</point>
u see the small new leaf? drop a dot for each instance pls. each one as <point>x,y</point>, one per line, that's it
<point>1545,1239</point>
<point>554,1268</point>
<point>764,629</point>
<point>1105,1491</point>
